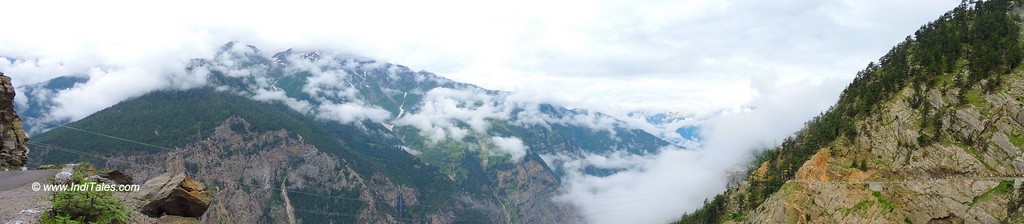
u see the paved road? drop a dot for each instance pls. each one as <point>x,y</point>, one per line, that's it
<point>13,179</point>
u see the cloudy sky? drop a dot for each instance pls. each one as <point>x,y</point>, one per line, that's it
<point>692,56</point>
<point>790,58</point>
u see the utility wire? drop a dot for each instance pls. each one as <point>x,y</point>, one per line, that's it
<point>115,137</point>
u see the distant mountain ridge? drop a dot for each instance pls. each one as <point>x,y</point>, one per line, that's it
<point>38,102</point>
<point>451,151</point>
<point>685,128</point>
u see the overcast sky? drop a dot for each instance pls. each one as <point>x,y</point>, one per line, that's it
<point>692,56</point>
<point>790,58</point>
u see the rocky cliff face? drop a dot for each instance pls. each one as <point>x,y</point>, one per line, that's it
<point>528,189</point>
<point>931,134</point>
<point>259,175</point>
<point>972,175</point>
<point>421,135</point>
<point>14,152</point>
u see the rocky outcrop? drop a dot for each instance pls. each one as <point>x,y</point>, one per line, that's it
<point>528,188</point>
<point>112,177</point>
<point>970,175</point>
<point>902,145</point>
<point>14,151</point>
<point>175,195</point>
<point>276,175</point>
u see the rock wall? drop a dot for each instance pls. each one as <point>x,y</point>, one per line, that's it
<point>14,151</point>
<point>967,177</point>
<point>248,170</point>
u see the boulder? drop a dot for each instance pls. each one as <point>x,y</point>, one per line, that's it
<point>117,177</point>
<point>174,194</point>
<point>62,177</point>
<point>66,175</point>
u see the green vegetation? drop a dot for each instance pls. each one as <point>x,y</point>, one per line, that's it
<point>1017,139</point>
<point>886,204</point>
<point>969,47</point>
<point>712,212</point>
<point>861,206</point>
<point>974,98</point>
<point>82,170</point>
<point>861,165</point>
<point>1002,187</point>
<point>864,205</point>
<point>88,206</point>
<point>160,119</point>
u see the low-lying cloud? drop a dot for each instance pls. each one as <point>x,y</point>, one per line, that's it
<point>348,113</point>
<point>108,83</point>
<point>690,56</point>
<point>510,145</point>
<point>442,110</point>
<point>661,187</point>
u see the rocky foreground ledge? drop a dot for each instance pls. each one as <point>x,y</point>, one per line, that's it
<point>174,197</point>
<point>166,198</point>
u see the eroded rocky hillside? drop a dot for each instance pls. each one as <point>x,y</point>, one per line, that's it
<point>931,133</point>
<point>972,174</point>
<point>257,175</point>
<point>460,152</point>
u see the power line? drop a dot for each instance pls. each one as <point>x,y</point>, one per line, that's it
<point>115,137</point>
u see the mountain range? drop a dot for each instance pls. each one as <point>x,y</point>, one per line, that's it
<point>323,136</point>
<point>930,133</point>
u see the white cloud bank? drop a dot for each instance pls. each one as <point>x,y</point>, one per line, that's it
<point>511,145</point>
<point>442,110</point>
<point>691,55</point>
<point>108,84</point>
<point>661,187</point>
<point>352,112</point>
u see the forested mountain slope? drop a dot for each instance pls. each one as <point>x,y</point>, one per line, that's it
<point>355,139</point>
<point>931,132</point>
